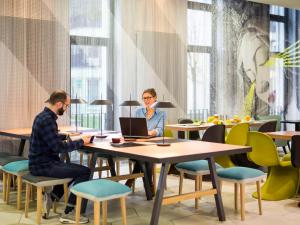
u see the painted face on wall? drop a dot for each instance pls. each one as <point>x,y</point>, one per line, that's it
<point>253,53</point>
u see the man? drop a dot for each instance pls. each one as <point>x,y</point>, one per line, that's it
<point>46,145</point>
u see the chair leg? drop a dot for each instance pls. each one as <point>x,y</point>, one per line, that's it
<point>27,199</point>
<point>123,210</point>
<point>66,193</point>
<point>8,187</point>
<point>196,189</point>
<point>39,207</point>
<point>107,171</point>
<point>104,212</point>
<point>236,193</point>
<point>200,184</point>
<point>4,186</point>
<point>19,194</point>
<point>180,182</point>
<point>32,193</point>
<point>78,208</point>
<point>154,178</point>
<point>96,213</point>
<point>130,164</point>
<point>259,197</point>
<point>100,162</point>
<point>80,158</point>
<point>89,157</point>
<point>242,199</point>
<point>118,168</point>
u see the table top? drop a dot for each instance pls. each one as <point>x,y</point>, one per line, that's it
<point>283,135</point>
<point>176,152</point>
<point>290,121</point>
<point>204,126</point>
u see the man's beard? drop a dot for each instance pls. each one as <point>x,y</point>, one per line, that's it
<point>60,111</point>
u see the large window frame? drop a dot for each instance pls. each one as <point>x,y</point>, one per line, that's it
<point>208,7</point>
<point>106,42</point>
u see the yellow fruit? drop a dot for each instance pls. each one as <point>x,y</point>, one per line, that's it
<point>215,121</point>
<point>210,119</point>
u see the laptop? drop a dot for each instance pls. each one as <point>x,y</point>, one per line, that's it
<point>138,127</point>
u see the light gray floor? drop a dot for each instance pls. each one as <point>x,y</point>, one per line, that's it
<point>139,210</point>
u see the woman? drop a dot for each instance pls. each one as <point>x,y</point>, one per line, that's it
<point>154,119</point>
<point>153,116</point>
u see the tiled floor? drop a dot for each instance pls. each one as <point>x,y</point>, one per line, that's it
<point>139,210</point>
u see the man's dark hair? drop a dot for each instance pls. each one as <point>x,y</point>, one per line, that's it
<point>57,96</point>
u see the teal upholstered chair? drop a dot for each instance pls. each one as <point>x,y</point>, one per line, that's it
<point>241,176</point>
<point>98,191</point>
<point>17,168</point>
<point>199,168</point>
<point>6,158</point>
<point>41,183</point>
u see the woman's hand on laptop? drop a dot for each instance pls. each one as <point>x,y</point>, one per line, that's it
<point>152,132</point>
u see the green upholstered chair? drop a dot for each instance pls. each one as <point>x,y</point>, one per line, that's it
<point>241,176</point>
<point>40,183</point>
<point>283,178</point>
<point>17,168</point>
<point>100,191</point>
<point>236,136</point>
<point>279,143</point>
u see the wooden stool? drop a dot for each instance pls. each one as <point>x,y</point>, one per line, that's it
<point>98,191</point>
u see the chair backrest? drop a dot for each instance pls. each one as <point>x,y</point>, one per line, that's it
<point>295,151</point>
<point>264,152</point>
<point>193,135</point>
<point>238,134</point>
<point>215,133</point>
<point>272,117</point>
<point>269,126</point>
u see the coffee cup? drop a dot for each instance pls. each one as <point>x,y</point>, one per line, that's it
<point>116,140</point>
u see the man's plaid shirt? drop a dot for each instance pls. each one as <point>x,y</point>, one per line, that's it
<point>46,143</point>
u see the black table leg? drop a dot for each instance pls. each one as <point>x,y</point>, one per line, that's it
<point>111,164</point>
<point>146,180</point>
<point>218,198</point>
<point>159,193</point>
<point>92,166</point>
<point>297,126</point>
<point>21,147</point>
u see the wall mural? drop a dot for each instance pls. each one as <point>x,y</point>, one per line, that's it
<point>246,44</point>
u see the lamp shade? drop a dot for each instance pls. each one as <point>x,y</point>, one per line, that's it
<point>164,105</point>
<point>77,101</point>
<point>101,102</point>
<point>130,103</point>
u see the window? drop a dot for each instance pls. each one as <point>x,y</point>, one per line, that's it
<point>276,10</point>
<point>199,58</point>
<point>91,59</point>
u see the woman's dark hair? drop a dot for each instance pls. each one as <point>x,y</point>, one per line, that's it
<point>57,96</point>
<point>150,91</point>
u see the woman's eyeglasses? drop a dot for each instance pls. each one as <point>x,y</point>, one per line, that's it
<point>146,98</point>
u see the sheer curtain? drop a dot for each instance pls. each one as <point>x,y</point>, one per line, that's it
<point>34,58</point>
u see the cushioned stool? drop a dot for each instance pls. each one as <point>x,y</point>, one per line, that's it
<point>242,176</point>
<point>100,191</point>
<point>11,169</point>
<point>40,183</point>
<point>6,158</point>
<point>197,168</point>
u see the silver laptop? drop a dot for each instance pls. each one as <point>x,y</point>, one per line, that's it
<point>134,127</point>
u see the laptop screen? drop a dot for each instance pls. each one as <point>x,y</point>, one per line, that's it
<point>133,127</point>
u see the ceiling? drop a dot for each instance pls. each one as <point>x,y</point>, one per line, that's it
<point>286,3</point>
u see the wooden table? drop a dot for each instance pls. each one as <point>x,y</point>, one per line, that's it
<point>175,153</point>
<point>283,135</point>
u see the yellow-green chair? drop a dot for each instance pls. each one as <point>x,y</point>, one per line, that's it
<point>236,136</point>
<point>283,178</point>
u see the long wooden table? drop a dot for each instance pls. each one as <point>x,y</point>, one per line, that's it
<point>175,153</point>
<point>150,152</point>
<point>283,135</point>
